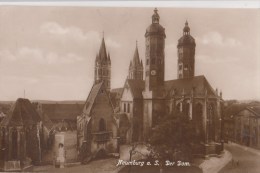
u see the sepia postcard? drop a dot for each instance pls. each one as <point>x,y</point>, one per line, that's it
<point>116,87</point>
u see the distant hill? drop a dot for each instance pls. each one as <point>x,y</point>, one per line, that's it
<point>48,102</point>
<point>59,102</point>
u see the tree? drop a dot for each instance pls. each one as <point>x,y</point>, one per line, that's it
<point>173,134</point>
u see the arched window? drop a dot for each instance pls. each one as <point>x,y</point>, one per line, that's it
<point>178,107</point>
<point>124,107</point>
<point>102,125</point>
<point>197,113</point>
<point>186,109</point>
<point>14,144</point>
<point>211,122</point>
<point>128,107</point>
<point>197,117</point>
<point>3,138</point>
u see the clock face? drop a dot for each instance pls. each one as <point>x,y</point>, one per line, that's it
<point>153,72</point>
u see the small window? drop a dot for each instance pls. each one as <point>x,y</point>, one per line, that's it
<point>186,67</point>
<point>180,67</point>
<point>147,62</point>
<point>128,107</point>
<point>124,107</point>
<point>153,61</point>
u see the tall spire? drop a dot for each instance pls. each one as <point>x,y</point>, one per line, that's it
<point>136,67</point>
<point>102,50</point>
<point>136,59</point>
<point>103,66</point>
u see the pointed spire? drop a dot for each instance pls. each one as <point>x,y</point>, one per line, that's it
<point>136,59</point>
<point>102,50</point>
<point>97,57</point>
<point>108,58</point>
<point>130,65</point>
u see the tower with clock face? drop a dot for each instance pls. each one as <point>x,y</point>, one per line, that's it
<point>154,65</point>
<point>153,105</point>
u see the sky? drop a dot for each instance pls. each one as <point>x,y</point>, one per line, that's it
<point>50,51</point>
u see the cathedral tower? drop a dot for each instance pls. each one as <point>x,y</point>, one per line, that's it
<point>154,54</point>
<point>136,68</point>
<point>103,66</point>
<point>186,54</point>
<point>153,95</point>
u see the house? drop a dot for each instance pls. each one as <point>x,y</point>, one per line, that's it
<point>20,137</point>
<point>247,127</point>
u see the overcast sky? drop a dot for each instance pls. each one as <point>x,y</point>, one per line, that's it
<point>49,51</point>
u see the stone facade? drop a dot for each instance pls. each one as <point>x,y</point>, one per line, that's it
<point>97,127</point>
<point>131,104</point>
<point>247,127</point>
<point>146,101</point>
<point>20,137</point>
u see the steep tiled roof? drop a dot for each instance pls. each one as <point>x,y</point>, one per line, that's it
<point>91,97</point>
<point>255,110</point>
<point>199,84</point>
<point>136,87</point>
<point>117,90</point>
<point>62,111</point>
<point>21,113</point>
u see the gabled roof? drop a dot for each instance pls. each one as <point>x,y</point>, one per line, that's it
<point>198,84</point>
<point>92,97</point>
<point>117,91</point>
<point>136,87</point>
<point>62,111</point>
<point>255,110</point>
<point>22,113</point>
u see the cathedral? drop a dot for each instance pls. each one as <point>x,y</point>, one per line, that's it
<point>134,109</point>
<point>145,101</point>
